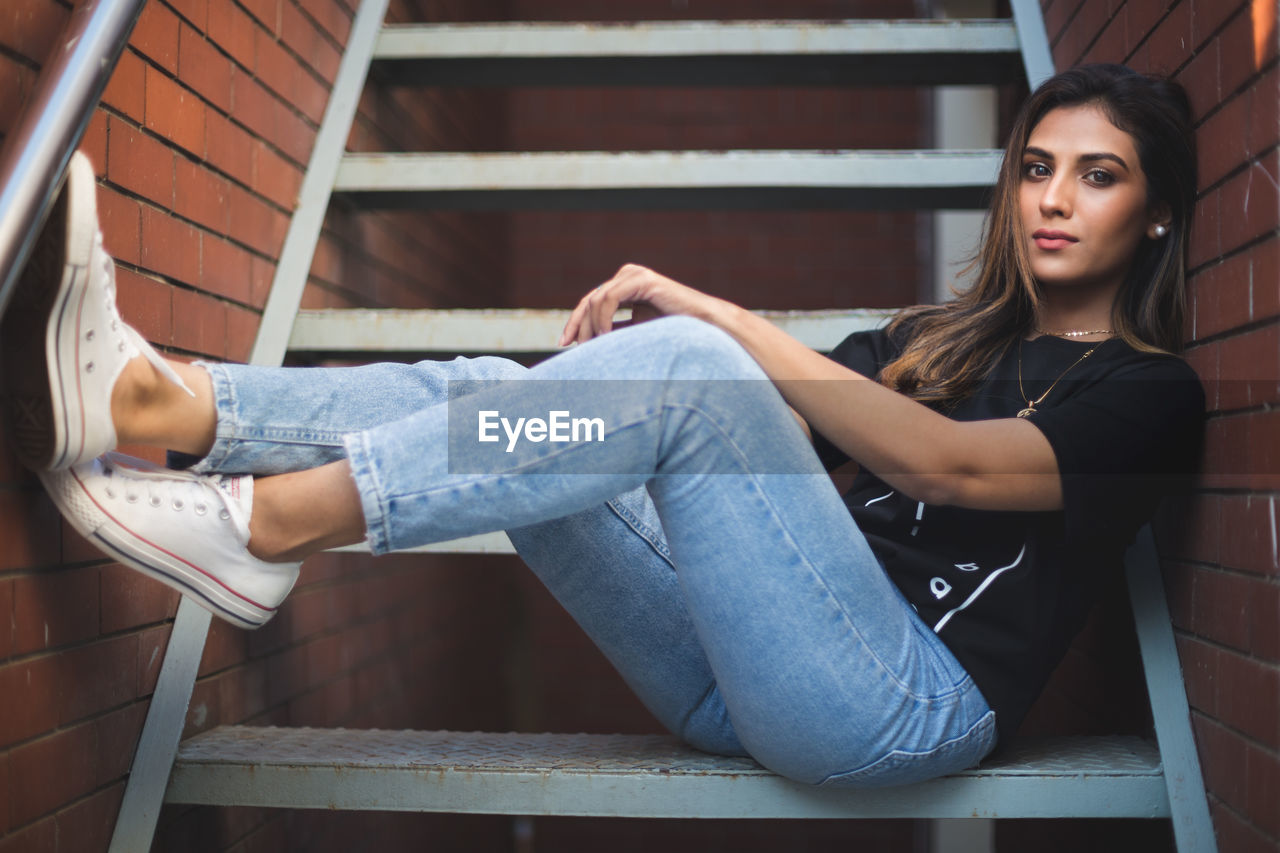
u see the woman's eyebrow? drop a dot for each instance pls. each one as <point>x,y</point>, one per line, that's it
<point>1105,155</point>
<point>1084,158</point>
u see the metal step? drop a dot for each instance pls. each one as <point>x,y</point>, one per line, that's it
<point>880,180</point>
<point>514,330</point>
<point>637,776</point>
<point>700,53</point>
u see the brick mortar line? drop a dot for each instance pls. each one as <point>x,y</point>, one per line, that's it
<point>403,239</point>
<point>112,112</point>
<point>1263,408</point>
<point>185,287</point>
<point>1223,647</point>
<point>1234,252</point>
<point>1236,493</point>
<point>258,25</point>
<point>1230,572</point>
<point>63,807</point>
<point>143,200</point>
<point>310,689</point>
<point>330,632</point>
<point>61,728</point>
<point>446,108</point>
<point>1245,819</point>
<point>1096,37</point>
<point>1242,89</point>
<point>280,100</point>
<point>1237,170</point>
<point>57,651</point>
<point>53,568</point>
<point>26,61</point>
<point>1066,25</point>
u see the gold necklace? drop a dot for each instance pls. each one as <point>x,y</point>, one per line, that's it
<point>1031,404</point>
<point>1076,333</point>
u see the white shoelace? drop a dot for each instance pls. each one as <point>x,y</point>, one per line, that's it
<point>180,491</point>
<point>130,337</point>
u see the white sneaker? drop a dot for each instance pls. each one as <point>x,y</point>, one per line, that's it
<point>64,342</point>
<point>189,531</point>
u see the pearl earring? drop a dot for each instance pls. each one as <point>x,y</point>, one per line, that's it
<point>1161,231</point>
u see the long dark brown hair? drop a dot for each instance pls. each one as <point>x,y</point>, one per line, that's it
<point>950,348</point>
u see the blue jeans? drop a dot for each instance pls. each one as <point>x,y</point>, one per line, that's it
<point>697,539</point>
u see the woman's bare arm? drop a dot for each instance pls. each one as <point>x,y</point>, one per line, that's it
<point>1004,464</point>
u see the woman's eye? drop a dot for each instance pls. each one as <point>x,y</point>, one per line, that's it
<point>1036,170</point>
<point>1099,177</point>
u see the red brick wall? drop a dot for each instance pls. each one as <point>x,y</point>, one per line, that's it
<point>1220,544</point>
<point>200,146</point>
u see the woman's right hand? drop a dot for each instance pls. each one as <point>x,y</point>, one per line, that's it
<point>647,293</point>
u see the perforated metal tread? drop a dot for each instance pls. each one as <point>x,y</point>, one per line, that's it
<point>637,776</point>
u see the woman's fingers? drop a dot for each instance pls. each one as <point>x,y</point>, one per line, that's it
<point>585,320</point>
<point>593,315</point>
<point>649,294</point>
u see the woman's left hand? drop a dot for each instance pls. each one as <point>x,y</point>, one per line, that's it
<point>646,292</point>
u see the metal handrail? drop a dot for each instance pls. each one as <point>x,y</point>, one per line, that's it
<point>34,159</point>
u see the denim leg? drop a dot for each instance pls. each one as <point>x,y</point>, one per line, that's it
<point>272,420</point>
<point>609,566</point>
<point>825,671</point>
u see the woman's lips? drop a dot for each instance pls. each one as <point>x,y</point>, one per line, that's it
<point>1052,241</point>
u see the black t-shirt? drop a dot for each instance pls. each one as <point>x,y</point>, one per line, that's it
<point>1007,591</point>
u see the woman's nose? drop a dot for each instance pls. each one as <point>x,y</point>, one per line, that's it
<point>1055,198</point>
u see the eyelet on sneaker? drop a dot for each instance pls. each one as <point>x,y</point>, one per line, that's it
<point>88,336</point>
<point>203,557</point>
<point>201,509</point>
<point>131,498</point>
<point>178,504</point>
<point>88,368</point>
<point>155,501</point>
<point>111,493</point>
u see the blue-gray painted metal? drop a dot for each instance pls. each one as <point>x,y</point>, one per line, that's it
<point>1037,58</point>
<point>140,808</point>
<point>313,197</point>
<point>34,159</point>
<point>637,776</point>
<point>701,53</point>
<point>673,39</point>
<point>511,330</point>
<point>1189,807</point>
<point>599,170</point>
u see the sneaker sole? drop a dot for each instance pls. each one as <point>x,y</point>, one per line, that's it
<point>101,529</point>
<point>45,415</point>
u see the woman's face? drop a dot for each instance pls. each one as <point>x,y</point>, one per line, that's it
<point>1083,199</point>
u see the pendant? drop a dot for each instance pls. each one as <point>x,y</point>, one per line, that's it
<point>1029,410</point>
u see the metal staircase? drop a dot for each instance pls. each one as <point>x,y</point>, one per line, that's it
<point>617,775</point>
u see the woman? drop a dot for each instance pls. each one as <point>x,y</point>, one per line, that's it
<point>1013,443</point>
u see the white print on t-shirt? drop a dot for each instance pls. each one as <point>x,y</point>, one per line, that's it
<point>939,588</point>
<point>919,515</point>
<point>877,500</point>
<point>968,567</point>
<point>982,587</point>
